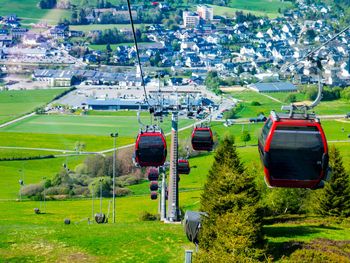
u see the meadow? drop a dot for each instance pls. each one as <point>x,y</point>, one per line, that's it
<point>29,12</point>
<point>339,106</point>
<point>19,102</point>
<point>269,7</point>
<point>87,28</point>
<point>30,237</point>
<point>233,7</point>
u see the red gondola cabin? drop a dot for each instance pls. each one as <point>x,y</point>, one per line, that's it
<point>154,195</point>
<point>202,139</point>
<point>293,151</point>
<point>150,149</point>
<point>153,174</point>
<point>183,166</point>
<point>153,186</point>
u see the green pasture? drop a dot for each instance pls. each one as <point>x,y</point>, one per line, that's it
<point>22,153</point>
<point>102,47</point>
<point>127,126</point>
<point>30,13</point>
<point>230,11</point>
<point>248,111</point>
<point>339,106</point>
<point>18,102</point>
<point>267,7</point>
<point>61,141</point>
<point>131,113</point>
<point>87,28</point>
<point>32,172</point>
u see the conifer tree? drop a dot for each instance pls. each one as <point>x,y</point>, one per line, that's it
<point>334,198</point>
<point>233,226</point>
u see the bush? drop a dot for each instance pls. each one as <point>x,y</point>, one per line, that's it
<point>81,190</point>
<point>147,216</point>
<point>122,191</point>
<point>32,189</point>
<point>81,169</point>
<point>106,186</point>
<point>345,93</point>
<point>291,98</point>
<point>286,201</point>
<point>58,190</point>
<point>255,103</point>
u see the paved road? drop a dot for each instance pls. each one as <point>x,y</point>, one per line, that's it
<point>16,120</point>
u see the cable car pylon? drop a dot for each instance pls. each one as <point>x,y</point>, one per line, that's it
<point>173,195</point>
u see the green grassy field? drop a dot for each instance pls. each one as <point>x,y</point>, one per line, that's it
<point>267,104</point>
<point>230,11</point>
<point>114,46</point>
<point>33,172</point>
<point>30,237</point>
<point>30,13</point>
<point>127,126</point>
<point>17,103</point>
<point>87,28</point>
<point>269,7</point>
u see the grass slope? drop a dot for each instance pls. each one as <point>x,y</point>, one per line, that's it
<point>269,7</point>
<point>33,172</point>
<point>29,12</point>
<point>127,126</point>
<point>19,102</point>
<point>267,104</point>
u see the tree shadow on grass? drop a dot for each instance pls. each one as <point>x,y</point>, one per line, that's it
<point>283,249</point>
<point>296,231</point>
<point>290,231</point>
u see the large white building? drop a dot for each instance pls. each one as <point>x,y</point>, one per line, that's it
<point>190,19</point>
<point>205,12</point>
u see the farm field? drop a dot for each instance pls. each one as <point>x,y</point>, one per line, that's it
<point>16,103</point>
<point>30,13</point>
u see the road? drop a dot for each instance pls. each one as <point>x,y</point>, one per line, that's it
<point>16,120</point>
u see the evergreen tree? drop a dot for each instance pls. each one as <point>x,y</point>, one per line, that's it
<point>334,198</point>
<point>233,228</point>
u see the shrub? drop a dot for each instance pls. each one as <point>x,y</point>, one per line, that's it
<point>147,216</point>
<point>106,186</point>
<point>32,189</point>
<point>255,103</point>
<point>81,169</point>
<point>122,191</point>
<point>58,190</point>
<point>291,98</point>
<point>286,201</point>
<point>81,190</point>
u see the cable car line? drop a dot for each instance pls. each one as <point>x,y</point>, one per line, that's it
<point>137,52</point>
<point>315,50</point>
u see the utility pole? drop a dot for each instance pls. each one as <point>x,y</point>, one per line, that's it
<point>173,196</point>
<point>44,178</point>
<point>114,136</point>
<point>92,201</point>
<point>21,183</point>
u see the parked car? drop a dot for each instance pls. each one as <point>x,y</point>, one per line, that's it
<point>260,118</point>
